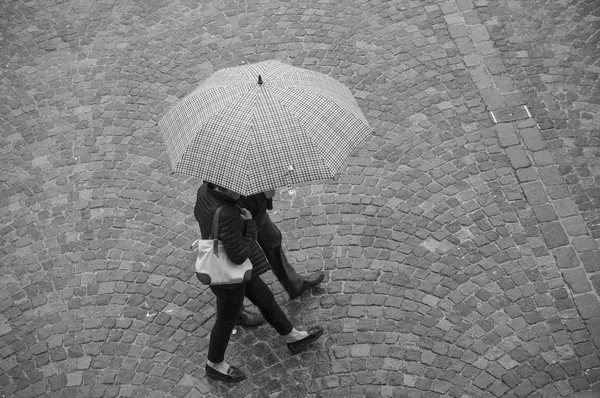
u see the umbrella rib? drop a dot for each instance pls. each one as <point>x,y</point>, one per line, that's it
<point>347,105</point>
<point>298,126</point>
<point>340,108</point>
<point>176,120</point>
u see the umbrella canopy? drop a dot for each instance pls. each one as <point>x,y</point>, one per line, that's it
<point>262,126</point>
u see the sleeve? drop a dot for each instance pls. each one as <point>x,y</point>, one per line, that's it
<point>256,204</point>
<point>236,234</point>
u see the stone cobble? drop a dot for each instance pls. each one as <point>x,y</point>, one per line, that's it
<point>461,255</point>
<point>555,65</point>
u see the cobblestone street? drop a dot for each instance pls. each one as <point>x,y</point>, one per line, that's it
<point>461,255</point>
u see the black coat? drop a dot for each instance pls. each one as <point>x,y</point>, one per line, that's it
<point>237,235</point>
<point>257,204</point>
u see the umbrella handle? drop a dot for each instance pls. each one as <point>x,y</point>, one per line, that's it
<point>288,180</point>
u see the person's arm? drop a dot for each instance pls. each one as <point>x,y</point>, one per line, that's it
<point>269,197</point>
<point>237,232</point>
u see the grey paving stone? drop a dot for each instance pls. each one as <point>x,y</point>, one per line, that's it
<point>591,260</point>
<point>566,257</point>
<point>554,234</point>
<point>507,134</point>
<point>545,213</point>
<point>518,157</point>
<point>434,236</point>
<point>577,280</point>
<point>550,175</point>
<point>535,193</point>
<point>533,139</point>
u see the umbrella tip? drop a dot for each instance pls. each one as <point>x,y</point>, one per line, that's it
<point>260,81</point>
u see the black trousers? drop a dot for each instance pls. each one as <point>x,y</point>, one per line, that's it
<point>229,306</point>
<point>269,238</point>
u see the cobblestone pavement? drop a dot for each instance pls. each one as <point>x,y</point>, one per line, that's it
<point>461,255</point>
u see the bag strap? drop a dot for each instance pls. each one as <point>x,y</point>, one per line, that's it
<point>214,233</point>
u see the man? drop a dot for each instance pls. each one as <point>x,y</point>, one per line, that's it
<point>270,240</point>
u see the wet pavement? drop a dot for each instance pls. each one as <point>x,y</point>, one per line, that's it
<point>461,255</point>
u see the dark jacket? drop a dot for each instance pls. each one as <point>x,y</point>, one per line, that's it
<point>256,204</point>
<point>237,235</point>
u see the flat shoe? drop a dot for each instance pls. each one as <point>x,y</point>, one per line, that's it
<point>313,334</point>
<point>233,374</point>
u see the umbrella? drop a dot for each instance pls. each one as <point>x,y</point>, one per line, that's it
<point>262,126</point>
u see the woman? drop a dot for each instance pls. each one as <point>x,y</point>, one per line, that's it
<point>237,232</point>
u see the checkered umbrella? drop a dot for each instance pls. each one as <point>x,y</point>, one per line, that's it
<point>262,126</point>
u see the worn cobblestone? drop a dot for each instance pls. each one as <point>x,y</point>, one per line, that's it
<point>461,256</point>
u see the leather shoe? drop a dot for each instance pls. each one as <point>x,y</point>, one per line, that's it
<point>249,319</point>
<point>233,374</point>
<point>309,281</point>
<point>313,334</point>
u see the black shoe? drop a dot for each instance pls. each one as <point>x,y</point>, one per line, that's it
<point>249,319</point>
<point>233,374</point>
<point>313,334</point>
<point>309,281</point>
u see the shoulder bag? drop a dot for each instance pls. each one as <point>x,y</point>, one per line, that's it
<point>213,267</point>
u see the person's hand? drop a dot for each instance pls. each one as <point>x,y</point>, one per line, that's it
<point>246,215</point>
<point>270,194</point>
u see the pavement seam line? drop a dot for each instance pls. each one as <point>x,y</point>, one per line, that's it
<point>521,152</point>
<point>525,165</point>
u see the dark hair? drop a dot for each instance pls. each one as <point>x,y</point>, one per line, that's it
<point>213,186</point>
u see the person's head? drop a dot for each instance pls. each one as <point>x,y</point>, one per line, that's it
<point>224,190</point>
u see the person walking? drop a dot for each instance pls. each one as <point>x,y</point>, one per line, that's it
<point>237,232</point>
<point>270,240</point>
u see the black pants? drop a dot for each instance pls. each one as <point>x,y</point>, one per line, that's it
<point>269,238</point>
<point>229,306</point>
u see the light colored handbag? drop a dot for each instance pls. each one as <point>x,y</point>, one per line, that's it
<point>213,267</point>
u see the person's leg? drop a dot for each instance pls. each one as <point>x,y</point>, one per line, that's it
<point>229,305</point>
<point>269,238</point>
<point>262,297</point>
